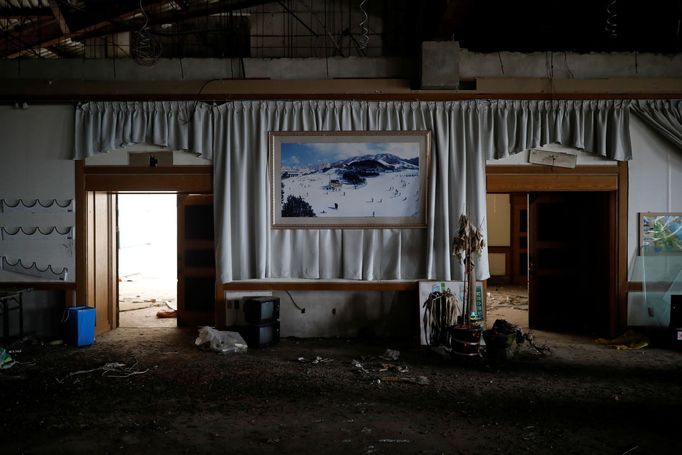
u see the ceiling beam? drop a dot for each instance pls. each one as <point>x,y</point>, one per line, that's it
<point>63,52</point>
<point>59,16</point>
<point>55,90</point>
<point>178,16</point>
<point>48,33</point>
<point>10,12</point>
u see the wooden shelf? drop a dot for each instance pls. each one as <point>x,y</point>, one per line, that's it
<point>320,285</point>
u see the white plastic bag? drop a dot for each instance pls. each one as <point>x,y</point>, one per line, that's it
<point>221,341</point>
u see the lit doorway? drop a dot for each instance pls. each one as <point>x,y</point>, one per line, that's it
<point>507,290</point>
<point>147,260</point>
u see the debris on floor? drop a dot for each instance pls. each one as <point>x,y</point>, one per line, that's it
<point>6,360</point>
<point>315,361</point>
<point>359,367</point>
<point>109,370</point>
<point>508,302</point>
<point>629,340</point>
<point>375,369</point>
<point>579,399</point>
<point>500,339</point>
<point>419,380</point>
<point>224,342</point>
<point>391,354</point>
<point>136,305</point>
<point>393,367</point>
<point>167,314</point>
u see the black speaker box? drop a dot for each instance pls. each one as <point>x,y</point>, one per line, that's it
<point>259,310</point>
<point>259,335</point>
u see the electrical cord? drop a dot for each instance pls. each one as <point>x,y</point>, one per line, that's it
<point>302,310</point>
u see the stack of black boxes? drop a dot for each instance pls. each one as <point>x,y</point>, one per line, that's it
<point>260,326</point>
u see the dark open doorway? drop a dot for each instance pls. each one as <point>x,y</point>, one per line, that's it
<point>568,261</point>
<point>580,284</point>
<point>549,256</point>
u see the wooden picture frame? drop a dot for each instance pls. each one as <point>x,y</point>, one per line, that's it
<point>660,233</point>
<point>350,179</point>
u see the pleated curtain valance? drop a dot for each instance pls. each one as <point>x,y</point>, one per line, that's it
<point>178,125</point>
<point>663,116</point>
<point>464,135</point>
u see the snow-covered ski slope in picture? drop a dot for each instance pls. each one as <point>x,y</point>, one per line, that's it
<point>352,179</point>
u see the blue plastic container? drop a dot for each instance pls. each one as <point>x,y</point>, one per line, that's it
<point>80,325</point>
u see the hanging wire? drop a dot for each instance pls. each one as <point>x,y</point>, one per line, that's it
<point>145,48</point>
<point>568,68</point>
<point>363,40</point>
<point>611,27</point>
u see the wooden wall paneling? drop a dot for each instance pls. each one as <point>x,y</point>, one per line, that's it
<point>519,211</point>
<point>89,240</point>
<point>507,183</point>
<point>614,260</point>
<point>196,281</point>
<point>112,224</point>
<point>183,179</point>
<point>622,226</point>
<point>81,207</point>
<point>507,251</point>
<point>531,169</point>
<point>101,262</point>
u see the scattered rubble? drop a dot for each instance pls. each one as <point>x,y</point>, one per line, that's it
<point>629,340</point>
<point>315,361</point>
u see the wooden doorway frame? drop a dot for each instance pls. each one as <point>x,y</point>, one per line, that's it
<point>611,178</point>
<point>114,179</point>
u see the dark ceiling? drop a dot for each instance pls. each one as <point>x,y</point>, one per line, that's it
<point>308,28</point>
<point>564,25</point>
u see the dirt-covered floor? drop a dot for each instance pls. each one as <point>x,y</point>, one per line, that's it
<point>331,396</point>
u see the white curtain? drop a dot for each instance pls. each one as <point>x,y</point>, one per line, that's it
<point>464,135</point>
<point>178,125</point>
<point>664,116</point>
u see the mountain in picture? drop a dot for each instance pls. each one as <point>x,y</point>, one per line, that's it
<point>364,185</point>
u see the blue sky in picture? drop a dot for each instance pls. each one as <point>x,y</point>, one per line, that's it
<point>297,154</point>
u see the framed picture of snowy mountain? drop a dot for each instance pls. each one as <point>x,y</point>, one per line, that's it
<point>350,179</point>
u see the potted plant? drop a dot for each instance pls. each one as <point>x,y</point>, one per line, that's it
<point>467,246</point>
